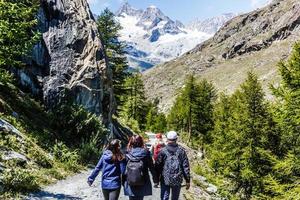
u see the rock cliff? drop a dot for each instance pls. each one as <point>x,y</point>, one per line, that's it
<point>70,57</point>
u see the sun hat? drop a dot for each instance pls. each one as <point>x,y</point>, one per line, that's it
<point>172,135</point>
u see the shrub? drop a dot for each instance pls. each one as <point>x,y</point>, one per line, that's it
<point>89,150</point>
<point>74,124</point>
<point>5,77</point>
<point>68,158</point>
<point>40,157</point>
<point>19,180</point>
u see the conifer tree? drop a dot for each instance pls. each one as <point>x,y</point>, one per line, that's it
<point>193,109</point>
<point>243,137</point>
<point>17,34</point>
<point>109,29</point>
<point>284,182</point>
<point>136,106</point>
<point>289,106</point>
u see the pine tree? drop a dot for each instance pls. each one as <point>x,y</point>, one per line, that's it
<point>287,171</point>
<point>109,29</point>
<point>17,35</point>
<point>136,106</point>
<point>193,109</point>
<point>289,101</point>
<point>244,135</point>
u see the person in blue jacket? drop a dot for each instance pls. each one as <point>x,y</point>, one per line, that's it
<point>112,164</point>
<point>136,151</point>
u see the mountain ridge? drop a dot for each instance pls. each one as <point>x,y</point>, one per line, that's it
<point>153,38</point>
<point>224,61</point>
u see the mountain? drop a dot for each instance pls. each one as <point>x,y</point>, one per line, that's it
<point>211,25</point>
<point>153,38</point>
<point>254,41</point>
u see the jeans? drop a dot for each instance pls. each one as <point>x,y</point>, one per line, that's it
<point>166,190</point>
<point>111,194</point>
<point>136,198</point>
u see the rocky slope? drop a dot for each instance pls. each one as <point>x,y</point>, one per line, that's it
<point>253,41</point>
<point>69,57</point>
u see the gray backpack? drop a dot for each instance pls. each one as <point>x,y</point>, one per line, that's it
<point>172,170</point>
<point>135,172</point>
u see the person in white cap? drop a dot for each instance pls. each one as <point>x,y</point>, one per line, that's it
<point>172,167</point>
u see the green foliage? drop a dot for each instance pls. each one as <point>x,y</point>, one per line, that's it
<point>288,107</point>
<point>17,36</point>
<point>192,110</point>
<point>156,122</point>
<point>245,139</point>
<point>19,180</point>
<point>136,106</point>
<point>69,158</point>
<point>109,29</point>
<point>74,124</point>
<point>284,182</point>
<point>5,77</point>
<point>90,149</point>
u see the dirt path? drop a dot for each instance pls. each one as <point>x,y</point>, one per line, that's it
<point>76,188</point>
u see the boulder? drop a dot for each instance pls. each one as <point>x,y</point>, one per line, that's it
<point>212,189</point>
<point>20,159</point>
<point>8,128</point>
<point>70,57</point>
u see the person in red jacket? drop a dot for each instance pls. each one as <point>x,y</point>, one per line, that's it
<point>157,146</point>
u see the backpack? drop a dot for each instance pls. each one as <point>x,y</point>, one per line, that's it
<point>172,170</point>
<point>135,172</point>
<point>157,149</point>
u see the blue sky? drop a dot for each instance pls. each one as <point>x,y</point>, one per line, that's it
<point>184,10</point>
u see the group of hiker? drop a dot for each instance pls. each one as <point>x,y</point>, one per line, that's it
<point>168,164</point>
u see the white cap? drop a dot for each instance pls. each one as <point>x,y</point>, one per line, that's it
<point>172,135</point>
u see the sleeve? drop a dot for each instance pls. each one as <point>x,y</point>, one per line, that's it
<point>186,167</point>
<point>96,171</point>
<point>151,167</point>
<point>159,164</point>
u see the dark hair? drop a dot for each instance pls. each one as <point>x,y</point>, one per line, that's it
<point>114,147</point>
<point>135,141</point>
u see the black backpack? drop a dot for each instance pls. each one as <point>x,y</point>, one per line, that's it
<point>172,170</point>
<point>135,172</point>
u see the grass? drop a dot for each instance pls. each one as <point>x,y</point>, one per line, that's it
<point>46,164</point>
<point>224,186</point>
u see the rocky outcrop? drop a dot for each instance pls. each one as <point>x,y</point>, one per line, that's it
<point>255,41</point>
<point>70,57</point>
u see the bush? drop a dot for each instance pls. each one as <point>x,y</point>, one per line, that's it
<point>68,158</point>
<point>89,150</point>
<point>19,180</point>
<point>74,124</point>
<point>5,77</point>
<point>40,157</point>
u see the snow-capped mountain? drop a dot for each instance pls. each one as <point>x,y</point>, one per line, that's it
<point>211,25</point>
<point>153,38</point>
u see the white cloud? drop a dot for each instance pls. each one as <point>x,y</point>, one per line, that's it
<point>259,3</point>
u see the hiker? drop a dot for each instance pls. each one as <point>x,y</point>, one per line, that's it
<point>137,182</point>
<point>172,166</point>
<point>112,164</point>
<point>157,146</point>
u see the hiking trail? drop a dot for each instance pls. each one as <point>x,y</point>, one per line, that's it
<point>76,188</point>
